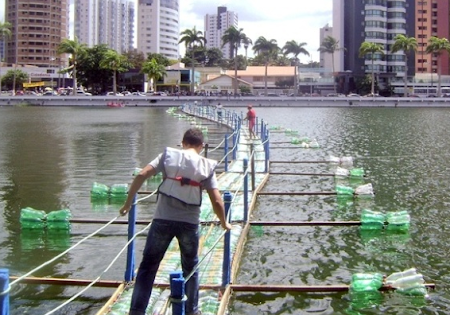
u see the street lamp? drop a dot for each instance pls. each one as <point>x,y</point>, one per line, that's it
<point>52,70</point>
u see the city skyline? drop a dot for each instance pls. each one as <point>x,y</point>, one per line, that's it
<point>283,21</point>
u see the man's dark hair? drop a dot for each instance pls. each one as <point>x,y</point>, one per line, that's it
<point>193,136</point>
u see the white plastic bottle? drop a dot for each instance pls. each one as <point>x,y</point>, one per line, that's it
<point>397,275</point>
<point>409,281</point>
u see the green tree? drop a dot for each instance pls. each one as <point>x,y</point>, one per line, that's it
<point>89,72</point>
<point>235,37</point>
<point>405,44</point>
<point>192,39</point>
<point>116,62</point>
<point>5,33</point>
<point>154,72</point>
<point>214,57</point>
<point>75,49</point>
<point>16,76</point>
<point>329,46</point>
<point>372,49</point>
<point>160,59</point>
<point>437,46</point>
<point>268,50</point>
<point>293,48</point>
<point>135,57</point>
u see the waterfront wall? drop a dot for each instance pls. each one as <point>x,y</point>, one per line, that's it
<point>167,101</point>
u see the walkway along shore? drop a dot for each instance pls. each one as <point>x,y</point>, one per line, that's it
<point>169,101</point>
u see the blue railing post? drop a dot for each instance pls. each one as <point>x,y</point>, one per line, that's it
<point>129,271</point>
<point>4,291</point>
<point>267,151</point>
<point>245,161</point>
<point>226,153</point>
<point>235,141</point>
<point>177,293</point>
<point>226,264</point>
<point>262,128</point>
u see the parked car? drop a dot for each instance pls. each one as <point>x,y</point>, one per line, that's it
<point>157,94</point>
<point>83,93</point>
<point>353,95</point>
<point>114,94</point>
<point>137,94</point>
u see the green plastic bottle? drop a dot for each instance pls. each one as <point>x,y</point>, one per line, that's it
<point>295,141</point>
<point>372,220</point>
<point>344,190</point>
<point>99,191</point>
<point>357,172</point>
<point>399,221</point>
<point>32,219</point>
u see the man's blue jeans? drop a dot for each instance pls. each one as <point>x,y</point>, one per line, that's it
<point>158,239</point>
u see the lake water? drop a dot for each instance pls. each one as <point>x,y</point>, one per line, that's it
<point>49,158</point>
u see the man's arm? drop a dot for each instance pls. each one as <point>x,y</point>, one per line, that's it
<point>218,207</point>
<point>138,180</point>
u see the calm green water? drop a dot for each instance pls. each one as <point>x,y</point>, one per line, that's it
<point>49,158</point>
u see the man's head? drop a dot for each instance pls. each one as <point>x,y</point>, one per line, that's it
<point>193,138</point>
<point>249,107</point>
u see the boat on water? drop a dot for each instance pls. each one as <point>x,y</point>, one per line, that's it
<point>115,104</point>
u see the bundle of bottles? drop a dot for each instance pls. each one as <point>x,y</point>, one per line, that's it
<point>376,220</point>
<point>352,173</point>
<point>38,219</point>
<point>305,142</point>
<point>115,192</point>
<point>363,190</point>
<point>407,282</point>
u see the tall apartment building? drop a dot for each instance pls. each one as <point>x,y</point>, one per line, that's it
<point>326,61</point>
<point>215,27</point>
<point>38,27</point>
<point>158,29</point>
<point>432,19</point>
<point>376,21</point>
<point>109,22</point>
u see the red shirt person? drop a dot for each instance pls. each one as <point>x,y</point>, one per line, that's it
<point>251,117</point>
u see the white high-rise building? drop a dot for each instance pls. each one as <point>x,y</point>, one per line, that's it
<point>158,29</point>
<point>326,60</point>
<point>216,26</point>
<point>107,22</point>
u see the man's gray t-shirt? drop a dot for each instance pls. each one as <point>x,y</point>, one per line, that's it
<point>168,208</point>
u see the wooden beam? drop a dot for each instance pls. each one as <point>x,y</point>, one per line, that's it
<point>306,174</point>
<point>298,162</point>
<point>305,223</point>
<point>305,193</point>
<point>74,282</point>
<point>302,288</point>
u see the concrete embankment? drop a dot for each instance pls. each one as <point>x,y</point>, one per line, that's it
<point>167,101</point>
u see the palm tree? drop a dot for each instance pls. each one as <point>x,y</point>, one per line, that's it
<point>234,37</point>
<point>192,39</point>
<point>372,49</point>
<point>247,42</point>
<point>154,71</point>
<point>437,46</point>
<point>5,32</point>
<point>406,44</point>
<point>268,49</point>
<point>295,49</point>
<point>75,49</point>
<point>116,62</point>
<point>329,46</point>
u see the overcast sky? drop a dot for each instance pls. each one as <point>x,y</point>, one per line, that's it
<point>282,20</point>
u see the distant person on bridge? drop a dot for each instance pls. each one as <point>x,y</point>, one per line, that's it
<point>185,173</point>
<point>251,117</point>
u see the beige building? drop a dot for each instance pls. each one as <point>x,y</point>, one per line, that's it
<point>222,85</point>
<point>39,26</point>
<point>255,75</point>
